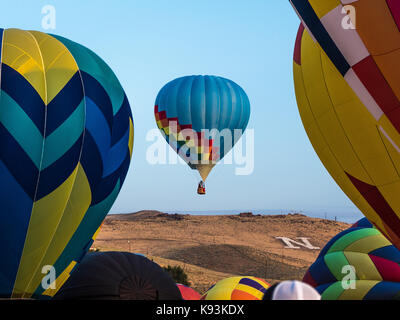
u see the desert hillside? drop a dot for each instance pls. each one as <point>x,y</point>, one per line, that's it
<point>210,248</point>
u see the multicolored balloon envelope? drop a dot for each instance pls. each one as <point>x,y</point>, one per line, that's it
<point>202,117</point>
<point>346,74</point>
<point>66,136</point>
<point>357,264</point>
<point>237,288</point>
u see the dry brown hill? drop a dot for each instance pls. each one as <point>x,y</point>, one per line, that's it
<point>210,248</point>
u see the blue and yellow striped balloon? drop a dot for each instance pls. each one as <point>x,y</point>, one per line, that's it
<point>66,137</point>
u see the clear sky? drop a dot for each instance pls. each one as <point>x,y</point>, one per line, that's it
<point>150,42</point>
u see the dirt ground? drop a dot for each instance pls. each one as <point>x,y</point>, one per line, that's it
<point>211,248</point>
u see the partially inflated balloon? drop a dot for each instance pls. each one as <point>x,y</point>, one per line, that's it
<point>188,293</point>
<point>118,276</point>
<point>66,136</point>
<point>291,290</point>
<point>186,107</point>
<point>237,288</point>
<point>346,73</point>
<point>363,252</point>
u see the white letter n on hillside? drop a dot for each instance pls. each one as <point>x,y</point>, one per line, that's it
<point>293,244</point>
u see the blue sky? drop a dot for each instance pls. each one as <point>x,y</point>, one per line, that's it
<point>150,42</point>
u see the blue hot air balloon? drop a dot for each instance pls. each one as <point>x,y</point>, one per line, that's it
<point>202,117</point>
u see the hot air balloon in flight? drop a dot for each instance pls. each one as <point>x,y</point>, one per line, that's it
<point>118,276</point>
<point>363,252</point>
<point>346,74</point>
<point>237,288</point>
<point>66,136</point>
<point>202,117</point>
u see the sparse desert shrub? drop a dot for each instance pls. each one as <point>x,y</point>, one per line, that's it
<point>178,274</point>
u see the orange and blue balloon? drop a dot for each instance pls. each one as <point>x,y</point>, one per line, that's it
<point>237,288</point>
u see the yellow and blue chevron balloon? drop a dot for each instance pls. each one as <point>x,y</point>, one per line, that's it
<point>66,137</point>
